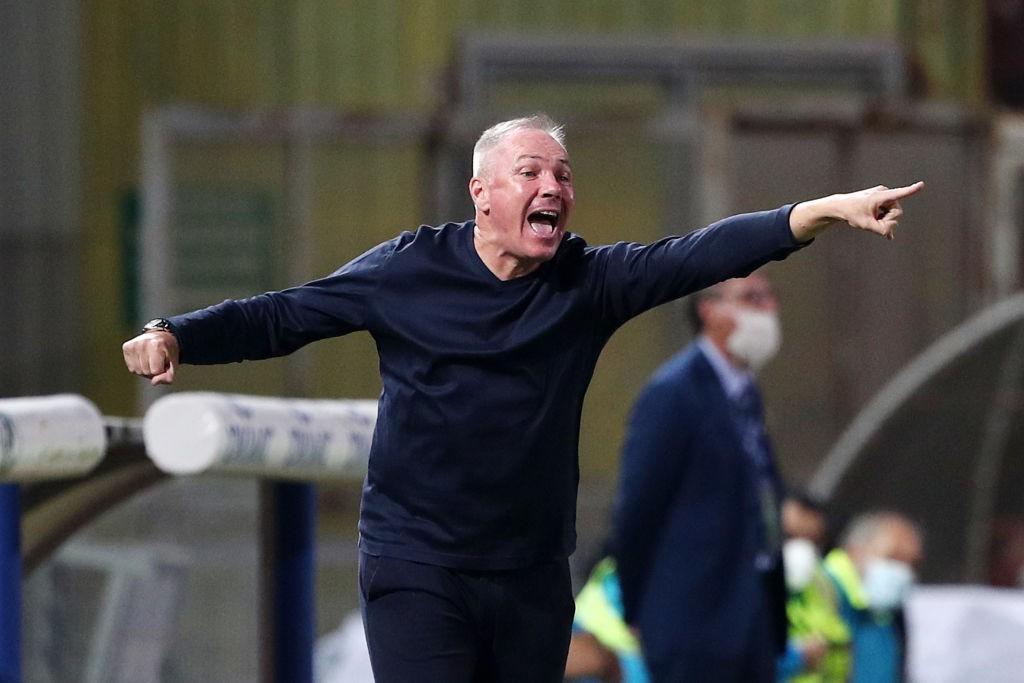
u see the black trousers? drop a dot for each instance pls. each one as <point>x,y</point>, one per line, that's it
<point>426,623</point>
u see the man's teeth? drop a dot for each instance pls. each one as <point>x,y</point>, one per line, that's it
<point>543,222</point>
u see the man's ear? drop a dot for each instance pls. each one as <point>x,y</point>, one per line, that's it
<point>704,310</point>
<point>478,193</point>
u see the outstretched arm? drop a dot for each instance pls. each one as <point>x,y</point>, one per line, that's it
<point>875,209</point>
<point>263,326</point>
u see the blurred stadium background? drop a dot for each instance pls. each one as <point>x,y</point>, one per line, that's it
<point>161,156</point>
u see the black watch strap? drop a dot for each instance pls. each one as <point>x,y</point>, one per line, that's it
<point>158,325</point>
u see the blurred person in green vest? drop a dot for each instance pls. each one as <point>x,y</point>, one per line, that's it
<point>872,571</point>
<point>603,647</point>
<point>818,650</point>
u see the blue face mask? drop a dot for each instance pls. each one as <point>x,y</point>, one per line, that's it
<point>886,583</point>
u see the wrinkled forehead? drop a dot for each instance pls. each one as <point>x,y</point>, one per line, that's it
<point>531,144</point>
<point>757,280</point>
<point>753,283</point>
<point>900,542</point>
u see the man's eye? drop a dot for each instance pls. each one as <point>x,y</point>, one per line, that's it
<point>564,178</point>
<point>529,174</point>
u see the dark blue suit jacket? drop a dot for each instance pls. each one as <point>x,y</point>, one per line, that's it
<point>688,524</point>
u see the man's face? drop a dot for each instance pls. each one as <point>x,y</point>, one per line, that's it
<point>901,542</point>
<point>753,292</point>
<point>524,196</point>
<point>896,540</point>
<point>799,521</point>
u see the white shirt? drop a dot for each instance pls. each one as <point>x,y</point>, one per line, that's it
<point>733,379</point>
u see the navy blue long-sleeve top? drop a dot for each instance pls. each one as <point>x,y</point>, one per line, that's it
<point>474,459</point>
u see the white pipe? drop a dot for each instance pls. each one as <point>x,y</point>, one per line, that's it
<point>49,437</point>
<point>193,432</point>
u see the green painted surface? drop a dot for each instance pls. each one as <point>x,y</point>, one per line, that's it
<point>388,56</point>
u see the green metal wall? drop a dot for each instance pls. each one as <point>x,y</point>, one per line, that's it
<point>391,55</point>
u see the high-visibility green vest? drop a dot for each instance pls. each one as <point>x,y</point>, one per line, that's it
<point>814,612</point>
<point>599,616</point>
<point>876,650</point>
<point>840,567</point>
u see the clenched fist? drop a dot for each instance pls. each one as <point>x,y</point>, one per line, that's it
<point>153,355</point>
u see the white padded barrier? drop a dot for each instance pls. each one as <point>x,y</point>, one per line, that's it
<point>192,432</point>
<point>49,437</point>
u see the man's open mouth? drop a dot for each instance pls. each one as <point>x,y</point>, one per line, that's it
<point>543,223</point>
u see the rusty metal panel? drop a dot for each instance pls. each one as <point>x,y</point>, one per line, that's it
<point>856,309</point>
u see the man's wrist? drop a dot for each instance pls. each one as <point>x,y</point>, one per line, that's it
<point>158,325</point>
<point>833,209</point>
<point>808,219</point>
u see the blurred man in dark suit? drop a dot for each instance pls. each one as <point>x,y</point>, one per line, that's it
<point>697,524</point>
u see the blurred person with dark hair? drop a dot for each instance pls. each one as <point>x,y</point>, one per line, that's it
<point>872,570</point>
<point>804,516</point>
<point>697,526</point>
<point>818,650</point>
<point>488,332</point>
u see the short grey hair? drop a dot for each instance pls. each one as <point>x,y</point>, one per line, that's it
<point>866,527</point>
<point>493,136</point>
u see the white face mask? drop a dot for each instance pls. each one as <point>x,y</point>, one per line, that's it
<point>757,337</point>
<point>799,561</point>
<point>886,583</point>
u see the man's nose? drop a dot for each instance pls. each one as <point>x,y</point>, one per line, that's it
<point>550,187</point>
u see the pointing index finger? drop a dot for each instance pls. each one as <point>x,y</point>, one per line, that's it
<point>898,193</point>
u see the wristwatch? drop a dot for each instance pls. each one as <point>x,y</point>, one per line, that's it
<point>158,325</point>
